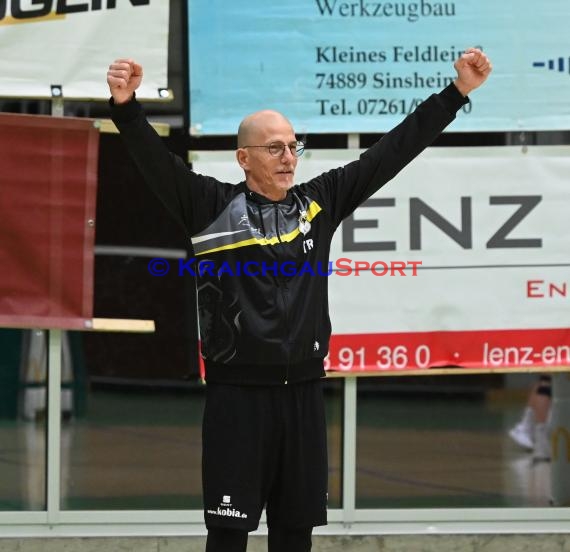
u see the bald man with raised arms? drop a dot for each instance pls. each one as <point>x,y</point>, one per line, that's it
<point>263,301</point>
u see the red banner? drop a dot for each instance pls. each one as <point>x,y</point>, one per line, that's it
<point>485,349</point>
<point>482,350</point>
<point>48,179</point>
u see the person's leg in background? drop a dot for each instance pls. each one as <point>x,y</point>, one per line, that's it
<point>540,403</point>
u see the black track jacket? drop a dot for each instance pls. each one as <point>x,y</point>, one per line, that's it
<point>262,285</point>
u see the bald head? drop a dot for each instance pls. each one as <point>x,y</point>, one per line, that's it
<point>266,171</point>
<point>258,125</point>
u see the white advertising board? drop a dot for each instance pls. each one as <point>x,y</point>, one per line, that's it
<point>463,259</point>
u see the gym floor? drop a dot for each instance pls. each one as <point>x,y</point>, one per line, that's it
<point>140,449</point>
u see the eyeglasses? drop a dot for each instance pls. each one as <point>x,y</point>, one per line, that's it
<point>277,149</point>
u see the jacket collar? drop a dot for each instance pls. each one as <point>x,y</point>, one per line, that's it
<point>258,198</point>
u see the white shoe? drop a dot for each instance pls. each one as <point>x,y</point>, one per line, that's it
<point>521,437</point>
<point>541,451</point>
<point>523,433</point>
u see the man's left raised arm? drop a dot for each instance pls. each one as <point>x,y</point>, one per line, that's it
<point>342,190</point>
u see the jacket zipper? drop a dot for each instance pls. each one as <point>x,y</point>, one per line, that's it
<point>284,291</point>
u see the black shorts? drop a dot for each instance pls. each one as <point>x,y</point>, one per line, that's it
<point>264,446</point>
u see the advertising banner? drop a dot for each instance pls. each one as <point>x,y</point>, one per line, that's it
<point>69,45</point>
<point>462,260</point>
<point>361,66</point>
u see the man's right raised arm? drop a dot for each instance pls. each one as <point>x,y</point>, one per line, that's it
<point>180,190</point>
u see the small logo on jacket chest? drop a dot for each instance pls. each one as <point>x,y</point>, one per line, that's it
<point>304,224</point>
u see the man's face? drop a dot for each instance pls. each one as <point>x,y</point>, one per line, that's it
<point>269,171</point>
